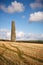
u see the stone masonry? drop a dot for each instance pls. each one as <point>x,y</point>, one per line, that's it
<point>13,33</point>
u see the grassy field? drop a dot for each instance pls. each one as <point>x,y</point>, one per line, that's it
<point>21,53</point>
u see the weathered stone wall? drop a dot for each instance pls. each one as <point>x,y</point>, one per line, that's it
<point>13,33</point>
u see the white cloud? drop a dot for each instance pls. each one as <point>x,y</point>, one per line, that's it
<point>20,35</point>
<point>23,16</point>
<point>35,36</point>
<point>5,34</point>
<point>38,0</point>
<point>14,7</point>
<point>28,36</point>
<point>36,16</point>
<point>37,4</point>
<point>3,30</point>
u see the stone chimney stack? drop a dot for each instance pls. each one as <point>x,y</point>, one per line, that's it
<point>13,33</point>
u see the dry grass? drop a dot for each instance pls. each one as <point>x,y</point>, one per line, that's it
<point>14,53</point>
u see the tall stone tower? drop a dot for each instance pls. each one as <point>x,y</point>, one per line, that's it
<point>13,33</point>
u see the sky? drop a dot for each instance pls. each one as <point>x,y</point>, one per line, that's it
<point>28,18</point>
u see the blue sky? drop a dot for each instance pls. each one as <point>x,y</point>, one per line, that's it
<point>28,17</point>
